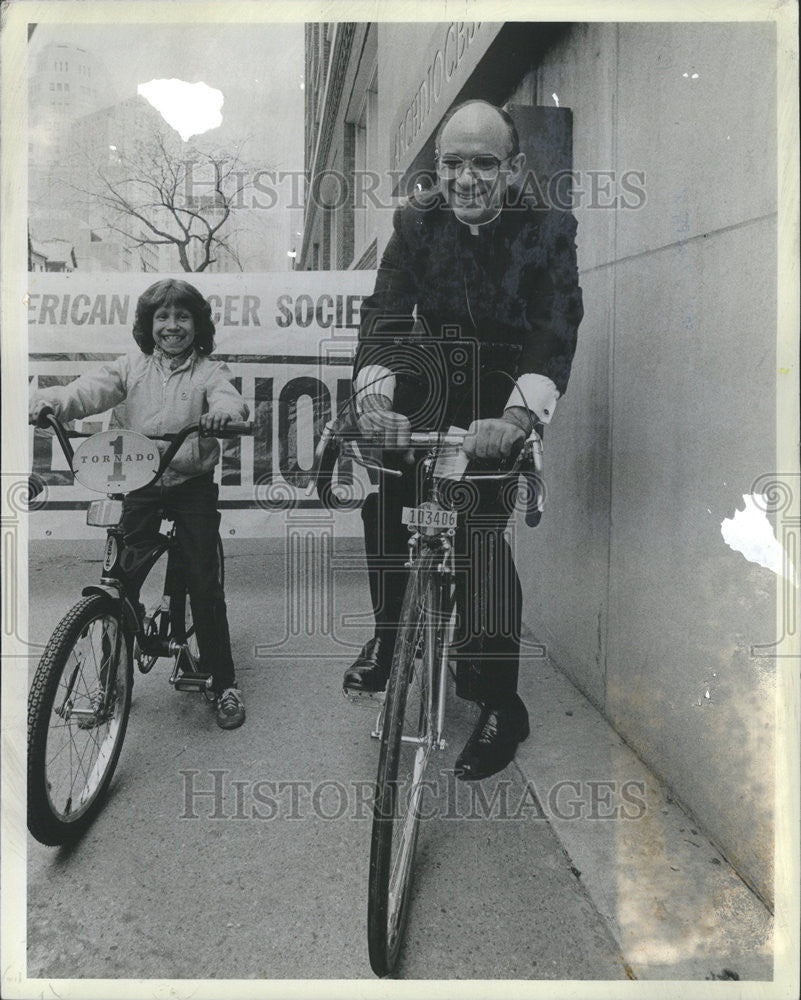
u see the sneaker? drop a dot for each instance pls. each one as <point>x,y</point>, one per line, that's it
<point>229,709</point>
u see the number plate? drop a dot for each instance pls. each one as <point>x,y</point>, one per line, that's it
<point>117,461</point>
<point>429,517</point>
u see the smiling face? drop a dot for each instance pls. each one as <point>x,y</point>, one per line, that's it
<point>173,328</point>
<point>475,164</point>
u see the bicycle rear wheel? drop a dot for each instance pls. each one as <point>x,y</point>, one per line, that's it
<point>406,745</point>
<point>77,715</point>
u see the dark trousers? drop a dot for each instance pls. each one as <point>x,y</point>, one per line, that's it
<point>193,505</point>
<point>488,594</point>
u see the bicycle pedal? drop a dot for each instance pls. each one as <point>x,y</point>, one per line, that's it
<point>192,682</point>
<point>144,661</point>
<point>365,697</point>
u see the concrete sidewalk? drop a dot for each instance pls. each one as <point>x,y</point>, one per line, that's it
<point>672,902</point>
<point>572,864</point>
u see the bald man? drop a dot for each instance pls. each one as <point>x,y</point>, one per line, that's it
<point>473,324</point>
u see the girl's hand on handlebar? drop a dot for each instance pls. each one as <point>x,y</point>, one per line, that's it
<point>493,439</point>
<point>35,408</point>
<point>214,422</point>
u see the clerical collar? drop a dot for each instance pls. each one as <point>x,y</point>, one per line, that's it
<point>474,227</point>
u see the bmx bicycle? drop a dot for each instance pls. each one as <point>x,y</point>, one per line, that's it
<point>80,697</point>
<point>411,723</point>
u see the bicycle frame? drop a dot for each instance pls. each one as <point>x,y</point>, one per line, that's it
<point>339,435</point>
<point>121,573</point>
<point>440,541</point>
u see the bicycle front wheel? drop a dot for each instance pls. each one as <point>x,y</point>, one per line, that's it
<point>77,715</point>
<point>407,743</point>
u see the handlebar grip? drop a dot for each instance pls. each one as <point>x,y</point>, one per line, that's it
<point>236,428</point>
<point>44,413</point>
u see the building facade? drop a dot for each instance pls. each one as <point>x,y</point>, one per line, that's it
<point>82,136</point>
<point>672,140</point>
<point>66,83</point>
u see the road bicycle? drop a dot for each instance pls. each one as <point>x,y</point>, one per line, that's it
<point>411,723</point>
<point>80,698</point>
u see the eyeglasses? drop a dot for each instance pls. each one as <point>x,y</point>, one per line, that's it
<point>484,165</point>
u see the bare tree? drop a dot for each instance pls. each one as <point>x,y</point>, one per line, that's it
<point>157,195</point>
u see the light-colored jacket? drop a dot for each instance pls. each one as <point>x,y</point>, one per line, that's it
<point>153,400</point>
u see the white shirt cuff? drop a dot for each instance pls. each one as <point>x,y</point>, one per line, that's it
<point>374,380</point>
<point>536,393</point>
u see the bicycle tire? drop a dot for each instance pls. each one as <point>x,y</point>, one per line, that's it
<point>182,627</point>
<point>71,739</point>
<point>408,712</point>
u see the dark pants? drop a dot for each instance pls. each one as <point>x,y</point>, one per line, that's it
<point>489,598</point>
<point>193,505</point>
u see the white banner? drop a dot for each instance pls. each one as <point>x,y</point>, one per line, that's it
<point>288,339</point>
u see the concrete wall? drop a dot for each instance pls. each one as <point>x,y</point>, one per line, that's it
<point>669,416</point>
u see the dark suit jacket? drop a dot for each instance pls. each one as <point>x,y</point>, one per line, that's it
<point>458,317</point>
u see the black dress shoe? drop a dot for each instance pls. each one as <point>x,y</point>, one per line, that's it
<point>370,672</point>
<point>494,740</point>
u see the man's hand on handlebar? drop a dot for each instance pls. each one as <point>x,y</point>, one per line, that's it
<point>381,425</point>
<point>497,438</point>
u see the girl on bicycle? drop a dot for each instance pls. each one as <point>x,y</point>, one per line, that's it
<point>170,382</point>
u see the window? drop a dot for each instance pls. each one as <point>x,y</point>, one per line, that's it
<point>365,163</point>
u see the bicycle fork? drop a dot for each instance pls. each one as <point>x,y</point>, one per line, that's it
<point>440,634</point>
<point>446,606</point>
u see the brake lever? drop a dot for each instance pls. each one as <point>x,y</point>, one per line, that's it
<point>535,451</point>
<point>534,503</point>
<point>359,459</point>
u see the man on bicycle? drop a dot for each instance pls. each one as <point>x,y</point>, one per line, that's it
<point>472,323</point>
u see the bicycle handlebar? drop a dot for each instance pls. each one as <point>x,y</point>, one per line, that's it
<point>234,428</point>
<point>339,433</point>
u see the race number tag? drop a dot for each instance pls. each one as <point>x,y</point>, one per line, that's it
<point>451,460</point>
<point>117,461</point>
<point>429,517</point>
